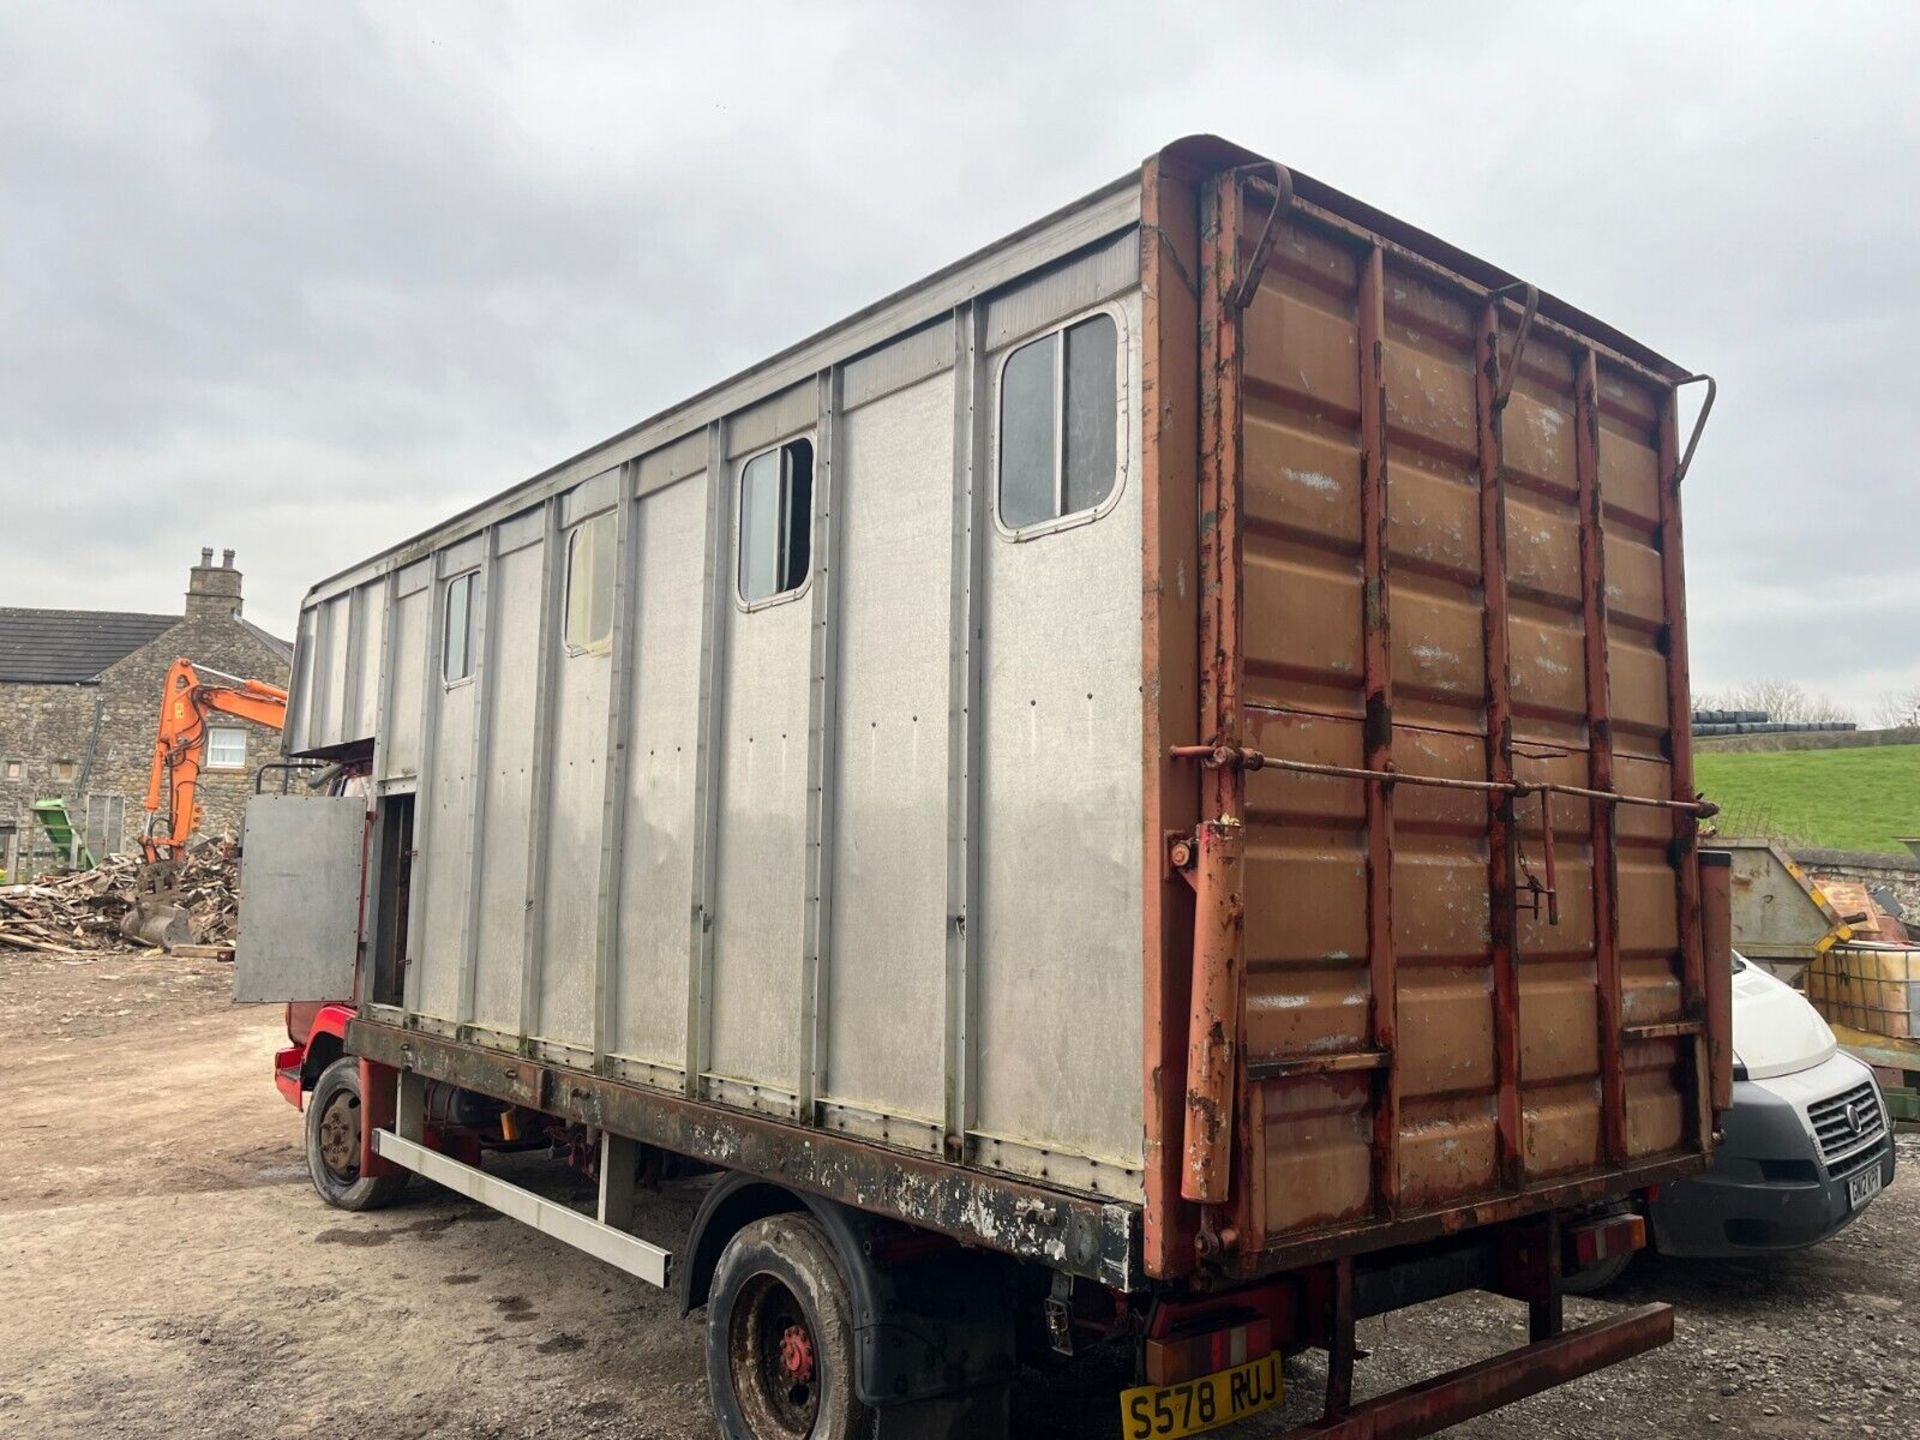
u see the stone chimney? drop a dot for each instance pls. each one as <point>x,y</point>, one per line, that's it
<point>213,591</point>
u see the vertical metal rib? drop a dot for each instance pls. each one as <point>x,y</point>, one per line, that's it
<point>1606,854</point>
<point>1502,837</point>
<point>1685,850</point>
<point>1377,664</point>
<point>486,696</point>
<point>357,602</point>
<point>717,587</point>
<point>621,679</point>
<point>553,571</point>
<point>823,741</point>
<point>433,691</point>
<point>383,719</point>
<point>965,625</point>
<point>321,678</point>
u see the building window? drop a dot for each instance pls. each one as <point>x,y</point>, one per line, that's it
<point>15,770</point>
<point>456,653</point>
<point>776,521</point>
<point>226,747</point>
<point>590,584</point>
<point>1060,424</point>
<point>64,770</point>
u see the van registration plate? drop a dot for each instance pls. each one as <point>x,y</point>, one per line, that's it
<point>1162,1412</point>
<point>1864,1186</point>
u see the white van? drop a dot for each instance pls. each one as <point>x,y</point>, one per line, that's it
<point>1808,1144</point>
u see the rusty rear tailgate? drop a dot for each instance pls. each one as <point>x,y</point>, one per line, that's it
<point>1441,537</point>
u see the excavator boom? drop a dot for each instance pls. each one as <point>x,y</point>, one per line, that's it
<point>189,695</point>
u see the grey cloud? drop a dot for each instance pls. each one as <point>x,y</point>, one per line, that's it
<point>301,280</point>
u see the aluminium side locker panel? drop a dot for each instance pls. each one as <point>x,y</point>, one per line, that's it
<point>1436,530</point>
<point>1059,987</point>
<point>399,736</point>
<point>648,1036</point>
<point>760,709</point>
<point>511,677</point>
<point>566,880</point>
<point>885,976</point>
<point>443,818</point>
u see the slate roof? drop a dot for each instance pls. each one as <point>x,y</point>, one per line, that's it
<point>282,648</point>
<point>68,647</point>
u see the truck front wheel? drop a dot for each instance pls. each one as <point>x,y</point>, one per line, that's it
<point>333,1143</point>
<point>780,1352</point>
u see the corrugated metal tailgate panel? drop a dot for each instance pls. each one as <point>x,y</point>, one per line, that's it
<point>1423,1027</point>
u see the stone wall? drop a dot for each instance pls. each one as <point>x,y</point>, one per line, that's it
<point>43,725</point>
<point>1899,873</point>
<point>43,728</point>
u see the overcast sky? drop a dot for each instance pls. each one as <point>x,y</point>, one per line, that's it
<point>301,279</point>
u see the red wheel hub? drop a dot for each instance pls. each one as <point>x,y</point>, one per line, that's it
<point>796,1354</point>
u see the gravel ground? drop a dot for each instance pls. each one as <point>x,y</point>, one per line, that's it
<point>166,1270</point>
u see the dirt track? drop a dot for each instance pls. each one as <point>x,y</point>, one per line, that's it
<point>166,1270</point>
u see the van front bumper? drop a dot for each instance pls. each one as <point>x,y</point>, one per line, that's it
<point>1769,1186</point>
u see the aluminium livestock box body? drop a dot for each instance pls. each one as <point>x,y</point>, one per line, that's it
<point>1161,749</point>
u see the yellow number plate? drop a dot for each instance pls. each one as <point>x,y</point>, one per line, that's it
<point>1161,1412</point>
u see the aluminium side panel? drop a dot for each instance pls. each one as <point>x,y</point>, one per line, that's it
<point>407,655</point>
<point>1060,988</point>
<point>299,727</point>
<point>442,821</point>
<point>514,643</point>
<point>330,669</point>
<point>572,823</point>
<point>759,904</point>
<point>656,890</point>
<point>886,976</point>
<point>362,705</point>
<point>543,752</point>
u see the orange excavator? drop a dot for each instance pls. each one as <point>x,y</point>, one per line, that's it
<point>189,696</point>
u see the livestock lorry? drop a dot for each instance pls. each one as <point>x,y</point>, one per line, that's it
<point>1134,793</point>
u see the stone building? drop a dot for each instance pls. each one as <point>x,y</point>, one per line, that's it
<point>80,698</point>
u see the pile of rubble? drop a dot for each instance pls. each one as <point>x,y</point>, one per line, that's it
<point>83,910</point>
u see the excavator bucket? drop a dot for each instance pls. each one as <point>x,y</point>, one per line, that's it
<point>157,917</point>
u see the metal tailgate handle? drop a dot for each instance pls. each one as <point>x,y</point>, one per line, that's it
<point>1699,421</point>
<point>1510,367</point>
<point>1248,285</point>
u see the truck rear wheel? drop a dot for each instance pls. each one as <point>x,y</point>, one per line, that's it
<point>780,1351</point>
<point>333,1143</point>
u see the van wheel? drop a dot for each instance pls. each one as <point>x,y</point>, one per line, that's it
<point>780,1337</point>
<point>1600,1278</point>
<point>1597,1279</point>
<point>333,1143</point>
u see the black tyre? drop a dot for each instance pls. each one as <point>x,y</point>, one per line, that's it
<point>780,1351</point>
<point>333,1143</point>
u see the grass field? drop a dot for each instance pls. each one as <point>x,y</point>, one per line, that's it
<point>1861,799</point>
